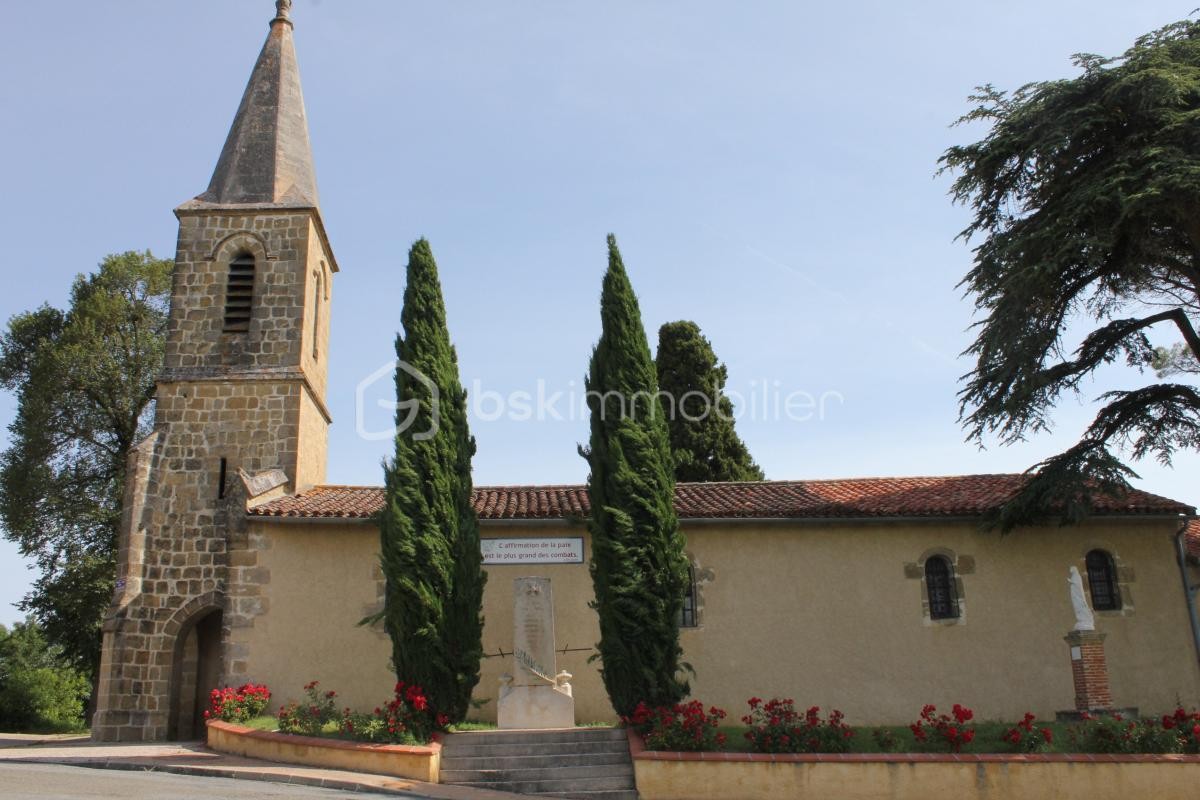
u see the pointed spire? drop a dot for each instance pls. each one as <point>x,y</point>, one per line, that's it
<point>267,158</point>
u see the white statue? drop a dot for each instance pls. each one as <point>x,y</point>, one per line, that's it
<point>1084,619</point>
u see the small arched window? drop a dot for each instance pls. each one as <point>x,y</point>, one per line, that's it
<point>939,586</point>
<point>1102,581</point>
<point>318,298</point>
<point>239,294</point>
<point>688,617</point>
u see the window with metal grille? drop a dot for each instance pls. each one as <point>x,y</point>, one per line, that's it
<point>239,294</point>
<point>687,617</point>
<point>939,585</point>
<point>1102,581</point>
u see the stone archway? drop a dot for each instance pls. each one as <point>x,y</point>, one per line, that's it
<point>196,671</point>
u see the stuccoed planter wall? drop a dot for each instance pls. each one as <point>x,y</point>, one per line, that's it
<point>912,776</point>
<point>400,761</point>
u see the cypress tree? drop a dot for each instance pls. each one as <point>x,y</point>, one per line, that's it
<point>639,568</point>
<point>699,415</point>
<point>428,528</point>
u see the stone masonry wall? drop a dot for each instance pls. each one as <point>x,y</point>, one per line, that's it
<point>207,243</point>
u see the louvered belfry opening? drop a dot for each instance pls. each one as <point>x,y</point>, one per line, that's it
<point>239,294</point>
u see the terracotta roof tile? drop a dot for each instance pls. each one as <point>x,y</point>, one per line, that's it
<point>966,495</point>
<point>1193,539</point>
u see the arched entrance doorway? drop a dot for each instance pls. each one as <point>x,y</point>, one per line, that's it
<point>197,671</point>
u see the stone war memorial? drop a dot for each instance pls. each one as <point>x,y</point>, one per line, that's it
<point>537,696</point>
<point>239,562</point>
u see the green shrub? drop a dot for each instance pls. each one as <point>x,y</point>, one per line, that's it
<point>1115,734</point>
<point>38,691</point>
<point>777,727</point>
<point>238,705</point>
<point>682,727</point>
<point>311,717</point>
<point>885,739</point>
<point>945,733</point>
<point>1025,737</point>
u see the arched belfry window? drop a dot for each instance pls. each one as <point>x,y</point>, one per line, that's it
<point>1102,581</point>
<point>939,586</point>
<point>239,294</point>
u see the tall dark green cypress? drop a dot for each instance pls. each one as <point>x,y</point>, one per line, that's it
<point>639,567</point>
<point>704,443</point>
<point>428,528</point>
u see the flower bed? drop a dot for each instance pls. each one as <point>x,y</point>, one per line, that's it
<point>806,755</point>
<point>397,739</point>
<point>777,726</point>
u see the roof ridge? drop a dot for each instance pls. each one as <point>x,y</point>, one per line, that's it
<point>924,497</point>
<point>788,482</point>
<point>779,482</point>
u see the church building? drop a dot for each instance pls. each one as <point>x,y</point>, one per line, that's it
<point>237,562</point>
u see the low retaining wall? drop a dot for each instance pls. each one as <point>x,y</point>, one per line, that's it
<point>912,776</point>
<point>400,761</point>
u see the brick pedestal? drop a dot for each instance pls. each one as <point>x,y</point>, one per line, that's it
<point>1089,670</point>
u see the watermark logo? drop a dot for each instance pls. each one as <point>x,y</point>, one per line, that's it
<point>369,422</point>
<point>765,401</point>
<point>379,417</point>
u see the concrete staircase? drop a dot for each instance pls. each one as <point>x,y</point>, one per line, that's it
<point>581,763</point>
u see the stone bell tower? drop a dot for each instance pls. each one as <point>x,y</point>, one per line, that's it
<point>240,410</point>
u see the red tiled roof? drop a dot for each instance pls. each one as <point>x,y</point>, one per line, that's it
<point>960,496</point>
<point>1193,539</point>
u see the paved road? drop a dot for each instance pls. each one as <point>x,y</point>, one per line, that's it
<point>45,781</point>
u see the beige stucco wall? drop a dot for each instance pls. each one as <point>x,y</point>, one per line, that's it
<point>827,615</point>
<point>321,581</point>
<point>824,613</point>
<point>314,443</point>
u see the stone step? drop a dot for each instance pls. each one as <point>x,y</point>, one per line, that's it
<point>585,763</point>
<point>535,774</point>
<point>537,736</point>
<point>461,750</point>
<point>534,760</point>
<point>568,787</point>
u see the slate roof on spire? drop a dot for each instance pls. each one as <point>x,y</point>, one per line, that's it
<point>267,158</point>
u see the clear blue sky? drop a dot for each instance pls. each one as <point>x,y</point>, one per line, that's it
<point>767,166</point>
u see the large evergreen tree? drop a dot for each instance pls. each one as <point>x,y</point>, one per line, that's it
<point>84,382</point>
<point>699,415</point>
<point>429,531</point>
<point>1086,195</point>
<point>639,567</point>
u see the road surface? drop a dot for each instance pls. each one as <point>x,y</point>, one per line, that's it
<point>46,781</point>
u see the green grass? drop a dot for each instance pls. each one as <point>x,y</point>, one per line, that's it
<point>987,738</point>
<point>478,725</point>
<point>264,723</point>
<point>472,725</point>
